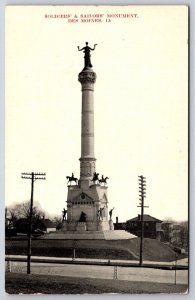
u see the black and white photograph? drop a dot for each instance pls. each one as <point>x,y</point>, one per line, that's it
<point>96,149</point>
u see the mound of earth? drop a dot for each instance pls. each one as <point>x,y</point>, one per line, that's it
<point>153,250</point>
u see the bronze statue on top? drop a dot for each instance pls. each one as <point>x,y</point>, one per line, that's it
<point>87,56</point>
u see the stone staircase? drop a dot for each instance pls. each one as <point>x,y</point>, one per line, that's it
<point>90,235</point>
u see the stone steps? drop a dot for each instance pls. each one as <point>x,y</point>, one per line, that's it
<point>90,235</point>
<point>118,235</point>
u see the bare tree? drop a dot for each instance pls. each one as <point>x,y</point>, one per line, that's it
<point>167,226</point>
<point>21,211</point>
<point>176,233</point>
<point>57,220</point>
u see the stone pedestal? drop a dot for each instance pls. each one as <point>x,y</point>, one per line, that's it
<point>64,226</point>
<point>88,199</point>
<point>103,225</point>
<point>81,226</point>
<point>111,225</point>
<point>72,226</point>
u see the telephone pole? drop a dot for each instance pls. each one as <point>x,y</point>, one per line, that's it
<point>142,195</point>
<point>33,176</point>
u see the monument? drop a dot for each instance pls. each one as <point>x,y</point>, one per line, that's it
<point>87,211</point>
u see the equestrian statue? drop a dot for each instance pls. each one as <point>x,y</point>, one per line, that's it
<point>71,178</point>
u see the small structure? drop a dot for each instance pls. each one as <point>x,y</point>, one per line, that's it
<point>47,225</point>
<point>119,225</point>
<point>152,227</point>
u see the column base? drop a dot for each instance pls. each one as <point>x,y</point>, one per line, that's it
<point>64,226</point>
<point>81,226</point>
<point>103,225</point>
<point>111,225</point>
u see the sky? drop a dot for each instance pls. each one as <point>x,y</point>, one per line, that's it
<point>141,104</point>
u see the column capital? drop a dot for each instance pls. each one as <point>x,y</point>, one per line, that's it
<point>87,76</point>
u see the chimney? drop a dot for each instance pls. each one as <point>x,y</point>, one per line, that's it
<point>116,220</point>
<point>43,217</point>
<point>139,217</point>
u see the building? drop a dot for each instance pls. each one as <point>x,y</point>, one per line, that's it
<point>152,227</point>
<point>47,225</point>
<point>119,225</point>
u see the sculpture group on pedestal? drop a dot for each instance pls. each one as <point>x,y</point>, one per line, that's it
<point>72,178</point>
<point>83,217</point>
<point>110,213</point>
<point>64,212</point>
<point>96,178</point>
<point>99,213</point>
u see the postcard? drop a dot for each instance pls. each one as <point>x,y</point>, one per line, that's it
<point>96,149</point>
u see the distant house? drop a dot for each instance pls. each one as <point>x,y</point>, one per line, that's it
<point>119,225</point>
<point>152,227</point>
<point>47,225</point>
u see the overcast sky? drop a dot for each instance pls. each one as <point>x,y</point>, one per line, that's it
<point>141,105</point>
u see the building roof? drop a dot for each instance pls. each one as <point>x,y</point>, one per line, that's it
<point>48,223</point>
<point>147,218</point>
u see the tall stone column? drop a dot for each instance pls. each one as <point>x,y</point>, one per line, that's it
<point>87,79</point>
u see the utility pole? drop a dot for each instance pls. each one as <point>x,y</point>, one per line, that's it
<point>33,176</point>
<point>142,195</point>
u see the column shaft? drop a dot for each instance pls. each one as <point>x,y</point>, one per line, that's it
<point>87,165</point>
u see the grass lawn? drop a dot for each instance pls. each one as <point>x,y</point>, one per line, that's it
<point>16,283</point>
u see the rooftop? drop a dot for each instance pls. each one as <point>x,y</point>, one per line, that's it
<point>147,218</point>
